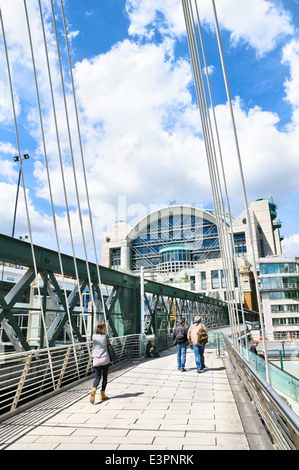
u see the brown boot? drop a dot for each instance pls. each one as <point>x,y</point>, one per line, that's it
<point>92,395</point>
<point>103,396</point>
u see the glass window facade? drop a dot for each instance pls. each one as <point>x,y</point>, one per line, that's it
<point>284,295</point>
<point>175,254</point>
<point>270,283</point>
<point>200,234</point>
<point>279,268</point>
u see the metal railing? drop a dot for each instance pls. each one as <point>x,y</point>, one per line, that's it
<point>280,420</point>
<point>30,375</point>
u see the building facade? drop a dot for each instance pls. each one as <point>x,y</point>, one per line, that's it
<point>279,284</point>
<point>180,245</point>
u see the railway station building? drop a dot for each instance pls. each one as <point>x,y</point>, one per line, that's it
<point>179,245</point>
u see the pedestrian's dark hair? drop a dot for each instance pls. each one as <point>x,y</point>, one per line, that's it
<point>101,328</point>
<point>181,321</point>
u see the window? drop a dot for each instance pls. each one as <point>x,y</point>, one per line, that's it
<point>270,283</point>
<point>215,279</point>
<point>279,268</point>
<point>284,295</point>
<point>203,281</point>
<point>240,244</point>
<point>115,257</point>
<point>285,321</point>
<point>285,308</point>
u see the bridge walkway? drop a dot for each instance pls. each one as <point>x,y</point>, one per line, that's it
<point>152,406</point>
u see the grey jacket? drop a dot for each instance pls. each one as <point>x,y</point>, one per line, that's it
<point>100,346</point>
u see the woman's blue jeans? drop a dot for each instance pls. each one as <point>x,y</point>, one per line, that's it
<point>198,355</point>
<point>181,349</point>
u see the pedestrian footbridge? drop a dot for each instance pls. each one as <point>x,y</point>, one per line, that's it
<point>155,407</point>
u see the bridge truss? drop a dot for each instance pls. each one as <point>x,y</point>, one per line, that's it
<point>55,316</point>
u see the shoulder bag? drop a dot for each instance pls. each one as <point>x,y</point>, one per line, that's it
<point>111,352</point>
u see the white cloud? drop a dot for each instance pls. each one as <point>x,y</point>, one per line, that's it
<point>7,171</point>
<point>268,155</point>
<point>7,147</point>
<point>146,14</point>
<point>290,246</point>
<point>138,99</point>
<point>259,23</point>
<point>291,58</point>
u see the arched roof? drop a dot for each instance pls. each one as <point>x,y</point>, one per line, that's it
<point>175,210</point>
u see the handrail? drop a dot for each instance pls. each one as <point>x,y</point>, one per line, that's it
<point>27,376</point>
<point>53,348</point>
<point>280,420</point>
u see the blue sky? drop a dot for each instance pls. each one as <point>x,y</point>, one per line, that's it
<point>139,118</point>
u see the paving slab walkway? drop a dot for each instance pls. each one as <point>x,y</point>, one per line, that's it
<point>152,406</point>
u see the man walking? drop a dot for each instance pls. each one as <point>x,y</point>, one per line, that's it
<point>181,341</point>
<point>197,347</point>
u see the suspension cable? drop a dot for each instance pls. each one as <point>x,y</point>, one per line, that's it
<point>83,162</point>
<point>223,175</point>
<point>24,192</point>
<point>61,165</point>
<point>72,157</point>
<point>243,191</point>
<point>210,151</point>
<point>46,157</point>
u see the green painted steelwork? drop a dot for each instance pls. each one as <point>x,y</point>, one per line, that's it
<point>164,303</point>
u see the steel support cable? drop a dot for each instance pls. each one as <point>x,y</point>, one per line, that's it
<point>198,82</point>
<point>81,147</point>
<point>243,191</point>
<point>24,189</point>
<point>233,257</point>
<point>207,138</point>
<point>61,166</point>
<point>228,264</point>
<point>73,167</point>
<point>223,174</point>
<point>83,164</point>
<point>46,153</point>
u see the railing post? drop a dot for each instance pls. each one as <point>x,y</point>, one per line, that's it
<point>281,360</point>
<point>90,360</point>
<point>122,349</point>
<point>63,369</point>
<point>218,344</point>
<point>21,382</point>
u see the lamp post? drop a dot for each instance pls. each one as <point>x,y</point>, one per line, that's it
<point>18,159</point>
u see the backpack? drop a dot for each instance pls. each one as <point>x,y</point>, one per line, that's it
<point>180,334</point>
<point>202,337</point>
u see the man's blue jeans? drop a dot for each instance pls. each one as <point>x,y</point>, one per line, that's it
<point>181,349</point>
<point>198,355</point>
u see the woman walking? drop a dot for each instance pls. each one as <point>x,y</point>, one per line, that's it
<point>101,360</point>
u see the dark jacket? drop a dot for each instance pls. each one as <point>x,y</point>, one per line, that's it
<point>253,349</point>
<point>175,332</point>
